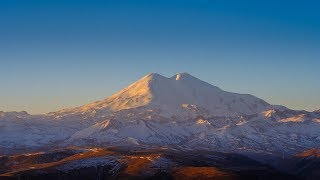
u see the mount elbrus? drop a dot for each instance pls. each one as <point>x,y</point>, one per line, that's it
<point>178,111</point>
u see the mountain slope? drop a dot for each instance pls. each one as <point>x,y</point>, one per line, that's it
<point>172,94</point>
<point>158,111</point>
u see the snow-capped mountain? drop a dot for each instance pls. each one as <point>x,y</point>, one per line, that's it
<point>181,110</point>
<point>172,94</point>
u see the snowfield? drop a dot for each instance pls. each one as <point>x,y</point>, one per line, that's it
<point>156,110</point>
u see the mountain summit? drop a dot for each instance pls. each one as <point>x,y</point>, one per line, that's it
<point>181,90</point>
<point>167,111</point>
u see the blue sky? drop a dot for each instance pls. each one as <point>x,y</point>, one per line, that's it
<point>63,53</point>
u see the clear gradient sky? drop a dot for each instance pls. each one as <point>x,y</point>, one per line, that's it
<point>63,53</point>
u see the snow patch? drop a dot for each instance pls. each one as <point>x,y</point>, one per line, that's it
<point>132,140</point>
<point>203,122</point>
<point>269,113</point>
<point>298,118</point>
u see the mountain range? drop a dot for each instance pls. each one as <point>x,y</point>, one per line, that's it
<point>181,111</point>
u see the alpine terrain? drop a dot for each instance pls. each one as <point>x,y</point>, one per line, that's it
<point>179,114</point>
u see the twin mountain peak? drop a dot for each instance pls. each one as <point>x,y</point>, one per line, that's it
<point>170,94</point>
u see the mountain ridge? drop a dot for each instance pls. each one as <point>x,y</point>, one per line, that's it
<point>173,92</point>
<point>159,111</point>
